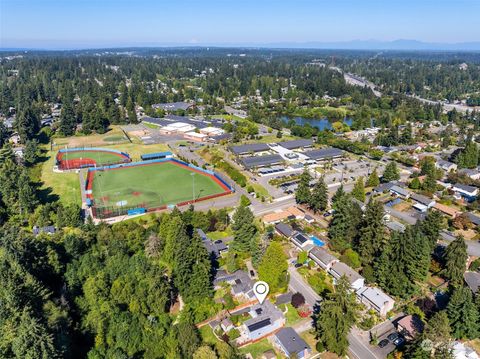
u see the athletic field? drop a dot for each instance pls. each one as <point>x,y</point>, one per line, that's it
<point>88,158</point>
<point>151,185</point>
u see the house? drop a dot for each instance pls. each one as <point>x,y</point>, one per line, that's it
<point>47,229</point>
<point>214,248</point>
<point>277,217</point>
<point>473,218</point>
<point>462,351</point>
<point>324,259</point>
<point>375,299</point>
<point>265,319</point>
<point>423,203</point>
<point>295,211</point>
<point>284,230</point>
<point>400,191</point>
<point>446,166</point>
<point>449,211</point>
<point>339,269</point>
<point>473,280</point>
<point>302,241</point>
<point>470,193</point>
<point>384,187</point>
<point>309,219</point>
<point>395,226</point>
<point>472,173</point>
<point>291,344</point>
<point>240,282</point>
<point>410,326</point>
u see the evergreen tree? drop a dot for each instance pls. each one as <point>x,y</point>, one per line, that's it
<point>373,179</point>
<point>391,172</point>
<point>336,318</point>
<point>244,229</point>
<point>205,352</point>
<point>68,120</point>
<point>319,197</point>
<point>358,191</point>
<point>302,195</point>
<point>431,226</point>
<point>463,314</point>
<point>371,237</point>
<point>27,124</point>
<point>344,224</point>
<point>31,152</point>
<point>455,261</point>
<point>339,193</point>
<point>468,158</point>
<point>273,267</point>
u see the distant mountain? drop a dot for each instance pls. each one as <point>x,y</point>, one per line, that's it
<point>400,44</point>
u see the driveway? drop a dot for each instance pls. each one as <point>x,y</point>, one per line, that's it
<point>298,284</point>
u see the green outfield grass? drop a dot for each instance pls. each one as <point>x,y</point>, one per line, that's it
<point>100,157</point>
<point>155,185</point>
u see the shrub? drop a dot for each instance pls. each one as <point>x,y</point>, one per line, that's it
<point>298,300</point>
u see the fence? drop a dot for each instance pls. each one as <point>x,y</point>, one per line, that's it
<point>78,163</point>
<point>103,212</point>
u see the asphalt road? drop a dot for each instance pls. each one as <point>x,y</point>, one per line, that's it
<point>358,349</point>
<point>473,246</point>
<point>298,284</point>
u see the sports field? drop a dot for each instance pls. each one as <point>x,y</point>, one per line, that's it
<point>151,185</point>
<point>82,158</point>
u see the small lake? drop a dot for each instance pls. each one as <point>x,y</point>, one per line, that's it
<point>321,124</point>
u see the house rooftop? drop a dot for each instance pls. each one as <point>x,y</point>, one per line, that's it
<point>421,199</point>
<point>473,280</point>
<point>340,269</point>
<point>473,218</point>
<point>291,341</point>
<point>375,296</point>
<point>262,316</point>
<point>322,255</point>
<point>257,161</point>
<point>284,229</point>
<point>291,145</point>
<point>466,188</point>
<point>253,147</point>
<point>400,190</point>
<point>324,153</point>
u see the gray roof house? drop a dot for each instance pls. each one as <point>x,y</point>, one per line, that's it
<point>301,240</point>
<point>384,187</point>
<point>47,229</point>
<point>340,269</point>
<point>473,280</point>
<point>473,218</point>
<point>400,191</point>
<point>465,190</point>
<point>213,247</point>
<point>241,284</point>
<point>284,230</point>
<point>376,299</point>
<point>324,259</point>
<point>291,344</point>
<point>266,319</point>
<point>446,165</point>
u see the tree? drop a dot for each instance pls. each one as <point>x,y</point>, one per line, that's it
<point>391,172</point>
<point>371,236</point>
<point>344,224</point>
<point>358,191</point>
<point>455,261</point>
<point>297,300</point>
<point>339,193</point>
<point>244,230</point>
<point>463,314</point>
<point>188,338</point>
<point>205,352</point>
<point>68,121</point>
<point>302,195</point>
<point>431,226</point>
<point>415,183</point>
<point>468,157</point>
<point>244,201</point>
<point>27,199</point>
<point>373,179</point>
<point>336,318</point>
<point>31,152</point>
<point>27,124</point>
<point>404,261</point>
<point>319,197</point>
<point>273,267</point>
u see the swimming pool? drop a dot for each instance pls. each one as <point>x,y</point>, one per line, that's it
<point>317,241</point>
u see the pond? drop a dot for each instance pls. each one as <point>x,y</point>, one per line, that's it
<point>321,124</point>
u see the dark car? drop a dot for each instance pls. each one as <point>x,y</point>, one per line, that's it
<point>298,265</point>
<point>383,343</point>
<point>399,341</point>
<point>252,273</point>
<point>392,337</point>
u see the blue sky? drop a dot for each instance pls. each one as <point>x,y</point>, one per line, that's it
<point>95,23</point>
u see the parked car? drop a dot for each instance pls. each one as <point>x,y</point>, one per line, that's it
<point>392,337</point>
<point>399,341</point>
<point>298,265</point>
<point>383,343</point>
<point>252,273</point>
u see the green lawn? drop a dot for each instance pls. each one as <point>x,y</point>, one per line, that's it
<point>100,157</point>
<point>153,185</point>
<point>257,349</point>
<point>207,335</point>
<point>292,317</point>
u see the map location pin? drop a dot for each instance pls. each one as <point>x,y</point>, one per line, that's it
<point>260,289</point>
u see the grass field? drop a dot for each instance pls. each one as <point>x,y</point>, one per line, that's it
<point>154,185</point>
<point>100,157</point>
